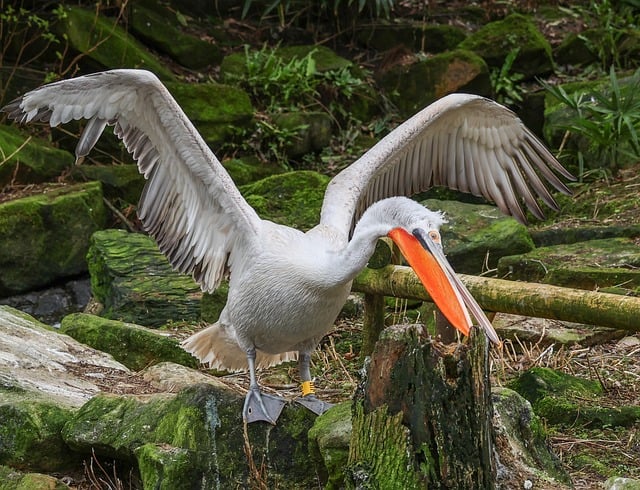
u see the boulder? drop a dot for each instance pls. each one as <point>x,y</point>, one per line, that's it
<point>292,199</point>
<point>521,443</point>
<point>621,483</point>
<point>245,170</point>
<point>121,182</point>
<point>134,346</point>
<point>594,264</point>
<point>565,400</point>
<point>219,112</point>
<point>135,283</point>
<point>45,237</point>
<point>194,439</point>
<point>413,86</point>
<point>29,160</point>
<point>155,26</point>
<point>104,42</point>
<point>10,479</point>
<point>415,35</point>
<point>495,40</point>
<point>311,131</point>
<point>39,365</point>
<point>476,236</point>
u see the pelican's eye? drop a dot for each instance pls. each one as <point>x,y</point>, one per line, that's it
<point>435,236</point>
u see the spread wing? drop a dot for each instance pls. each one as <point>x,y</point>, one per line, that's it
<point>464,142</point>
<point>189,205</point>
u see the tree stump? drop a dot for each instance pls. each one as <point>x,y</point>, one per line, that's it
<point>423,415</point>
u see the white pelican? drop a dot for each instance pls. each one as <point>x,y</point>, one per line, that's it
<point>286,287</point>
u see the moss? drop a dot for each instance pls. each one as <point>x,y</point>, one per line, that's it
<point>33,160</point>
<point>136,283</point>
<point>30,436</point>
<point>14,480</point>
<point>134,346</point>
<point>495,40</point>
<point>102,40</point>
<point>163,466</point>
<point>538,382</point>
<point>417,85</point>
<point>249,169</point>
<point>218,111</point>
<point>46,236</point>
<point>118,181</point>
<point>292,198</point>
<point>157,29</point>
<point>329,444</point>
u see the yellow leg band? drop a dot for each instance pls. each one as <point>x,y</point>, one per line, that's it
<point>307,388</point>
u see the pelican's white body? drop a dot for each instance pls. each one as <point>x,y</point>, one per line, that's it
<point>287,287</point>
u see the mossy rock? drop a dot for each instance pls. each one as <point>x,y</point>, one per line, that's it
<point>134,346</point>
<point>415,35</point>
<point>495,40</point>
<point>311,131</point>
<point>135,282</point>
<point>219,112</point>
<point>45,237</point>
<point>106,43</point>
<point>30,436</point>
<point>329,445</point>
<point>10,479</point>
<point>585,265</point>
<point>292,199</point>
<point>33,160</point>
<point>575,49</point>
<point>193,439</point>
<point>245,170</point>
<point>414,86</point>
<point>156,28</point>
<point>118,181</point>
<point>521,441</point>
<point>476,236</point>
<point>234,66</point>
<point>562,399</point>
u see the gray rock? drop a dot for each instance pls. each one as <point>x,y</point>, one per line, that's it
<point>620,483</point>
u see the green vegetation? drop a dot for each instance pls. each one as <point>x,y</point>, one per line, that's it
<point>606,121</point>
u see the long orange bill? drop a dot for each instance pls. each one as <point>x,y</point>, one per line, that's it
<point>441,282</point>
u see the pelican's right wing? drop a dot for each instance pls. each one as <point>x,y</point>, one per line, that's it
<point>462,141</point>
<point>189,205</point>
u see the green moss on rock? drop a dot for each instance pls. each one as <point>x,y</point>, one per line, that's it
<point>292,198</point>
<point>135,282</point>
<point>33,160</point>
<point>495,40</point>
<point>102,40</point>
<point>46,236</point>
<point>30,436</point>
<point>249,169</point>
<point>11,479</point>
<point>329,444</point>
<point>156,27</point>
<point>218,111</point>
<point>118,181</point>
<point>134,346</point>
<point>414,86</point>
<point>477,235</point>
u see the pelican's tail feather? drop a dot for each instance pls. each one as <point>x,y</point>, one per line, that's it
<point>217,347</point>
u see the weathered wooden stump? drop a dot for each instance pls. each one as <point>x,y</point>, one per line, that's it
<point>423,415</point>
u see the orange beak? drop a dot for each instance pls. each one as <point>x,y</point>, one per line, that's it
<point>441,282</point>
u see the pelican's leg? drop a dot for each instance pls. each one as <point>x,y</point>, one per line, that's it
<point>308,398</point>
<point>260,406</point>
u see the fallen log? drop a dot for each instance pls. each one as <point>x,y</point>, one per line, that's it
<point>520,298</point>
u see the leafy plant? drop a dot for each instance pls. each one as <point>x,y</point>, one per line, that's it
<point>278,85</point>
<point>608,121</point>
<point>505,84</point>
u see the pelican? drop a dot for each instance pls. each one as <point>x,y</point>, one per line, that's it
<point>287,287</point>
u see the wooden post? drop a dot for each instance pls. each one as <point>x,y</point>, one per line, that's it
<point>372,322</point>
<point>425,408</point>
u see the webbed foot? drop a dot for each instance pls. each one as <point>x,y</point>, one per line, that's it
<point>314,404</point>
<point>261,406</point>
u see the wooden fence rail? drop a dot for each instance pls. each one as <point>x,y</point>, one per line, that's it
<point>499,295</point>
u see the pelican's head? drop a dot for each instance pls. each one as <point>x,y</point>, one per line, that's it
<point>418,237</point>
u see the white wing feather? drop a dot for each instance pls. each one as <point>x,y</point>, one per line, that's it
<point>189,205</point>
<point>463,142</point>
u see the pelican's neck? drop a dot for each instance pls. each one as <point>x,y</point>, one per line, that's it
<point>374,223</point>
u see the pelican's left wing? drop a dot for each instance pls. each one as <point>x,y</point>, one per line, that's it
<point>464,142</point>
<point>189,205</point>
